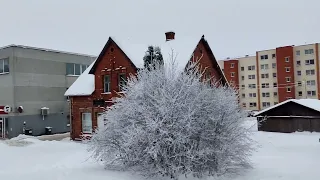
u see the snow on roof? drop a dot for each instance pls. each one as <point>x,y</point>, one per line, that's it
<point>181,47</point>
<point>310,103</point>
<point>84,84</point>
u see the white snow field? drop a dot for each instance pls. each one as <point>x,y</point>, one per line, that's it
<point>279,157</point>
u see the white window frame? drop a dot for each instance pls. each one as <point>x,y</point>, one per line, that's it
<point>288,89</point>
<point>298,52</point>
<point>298,73</point>
<point>287,59</point>
<point>86,126</point>
<point>287,69</point>
<point>2,64</point>
<point>310,72</point>
<point>123,82</point>
<point>299,93</point>
<point>232,74</point>
<point>308,62</point>
<point>288,79</point>
<point>105,90</point>
<point>83,67</point>
<point>232,65</point>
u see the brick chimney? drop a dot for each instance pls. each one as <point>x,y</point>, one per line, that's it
<point>170,36</point>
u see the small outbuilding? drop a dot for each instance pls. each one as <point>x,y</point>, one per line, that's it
<point>290,116</point>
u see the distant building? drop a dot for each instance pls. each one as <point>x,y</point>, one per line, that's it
<point>93,90</point>
<point>32,86</point>
<point>275,75</point>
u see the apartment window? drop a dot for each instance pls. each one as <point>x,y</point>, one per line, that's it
<point>288,89</point>
<point>4,66</point>
<point>287,59</point>
<point>242,68</point>
<point>264,66</point>
<point>274,65</point>
<point>252,94</point>
<point>310,72</point>
<point>75,69</point>
<point>288,79</point>
<point>86,123</point>
<point>251,76</point>
<point>275,103</point>
<point>253,104</point>
<point>243,86</point>
<point>267,94</point>
<point>309,62</point>
<point>298,63</point>
<point>299,83</point>
<point>265,85</point>
<point>252,86</point>
<point>311,93</point>
<point>300,93</point>
<point>265,104</point>
<point>298,53</point>
<point>274,75</point>
<point>232,65</point>
<point>251,68</point>
<point>287,69</point>
<point>275,93</point>
<point>243,95</point>
<point>106,82</point>
<point>265,76</point>
<point>299,73</point>
<point>242,78</point>
<point>244,105</point>
<point>122,81</point>
<point>308,51</point>
<point>264,57</point>
<point>275,84</point>
<point>311,83</point>
<point>232,74</point>
<point>273,56</point>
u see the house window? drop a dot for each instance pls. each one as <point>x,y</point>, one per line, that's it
<point>274,75</point>
<point>86,123</point>
<point>75,69</point>
<point>244,105</point>
<point>287,59</point>
<point>310,72</point>
<point>252,94</point>
<point>275,94</point>
<point>311,93</point>
<point>232,74</point>
<point>264,57</point>
<point>243,86</point>
<point>265,85</point>
<point>122,81</point>
<point>251,68</point>
<point>299,73</point>
<point>253,104</point>
<point>265,66</point>
<point>298,53</point>
<point>242,68</point>
<point>267,94</point>
<point>252,86</point>
<point>275,84</point>
<point>232,65</point>
<point>309,62</point>
<point>288,79</point>
<point>252,76</point>
<point>265,104</point>
<point>298,63</point>
<point>300,93</point>
<point>299,83</point>
<point>242,78</point>
<point>273,56</point>
<point>311,83</point>
<point>243,95</point>
<point>106,83</point>
<point>4,66</point>
<point>308,51</point>
<point>265,76</point>
<point>288,89</point>
<point>274,65</point>
<point>287,69</point>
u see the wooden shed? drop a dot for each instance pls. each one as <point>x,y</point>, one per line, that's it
<point>290,116</point>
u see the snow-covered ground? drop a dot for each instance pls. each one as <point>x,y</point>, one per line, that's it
<point>279,157</point>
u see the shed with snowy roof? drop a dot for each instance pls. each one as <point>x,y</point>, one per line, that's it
<point>290,116</point>
<point>95,88</point>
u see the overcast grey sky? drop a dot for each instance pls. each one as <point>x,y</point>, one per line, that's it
<point>232,27</point>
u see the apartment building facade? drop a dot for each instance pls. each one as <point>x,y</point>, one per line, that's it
<point>32,86</point>
<point>275,75</point>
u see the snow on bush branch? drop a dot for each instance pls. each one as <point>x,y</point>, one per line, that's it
<point>171,123</point>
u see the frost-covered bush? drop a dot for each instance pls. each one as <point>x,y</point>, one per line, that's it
<point>171,123</point>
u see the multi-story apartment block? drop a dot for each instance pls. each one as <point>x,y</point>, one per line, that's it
<point>32,86</point>
<point>275,75</point>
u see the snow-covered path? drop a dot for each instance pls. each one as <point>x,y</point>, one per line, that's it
<point>279,157</point>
